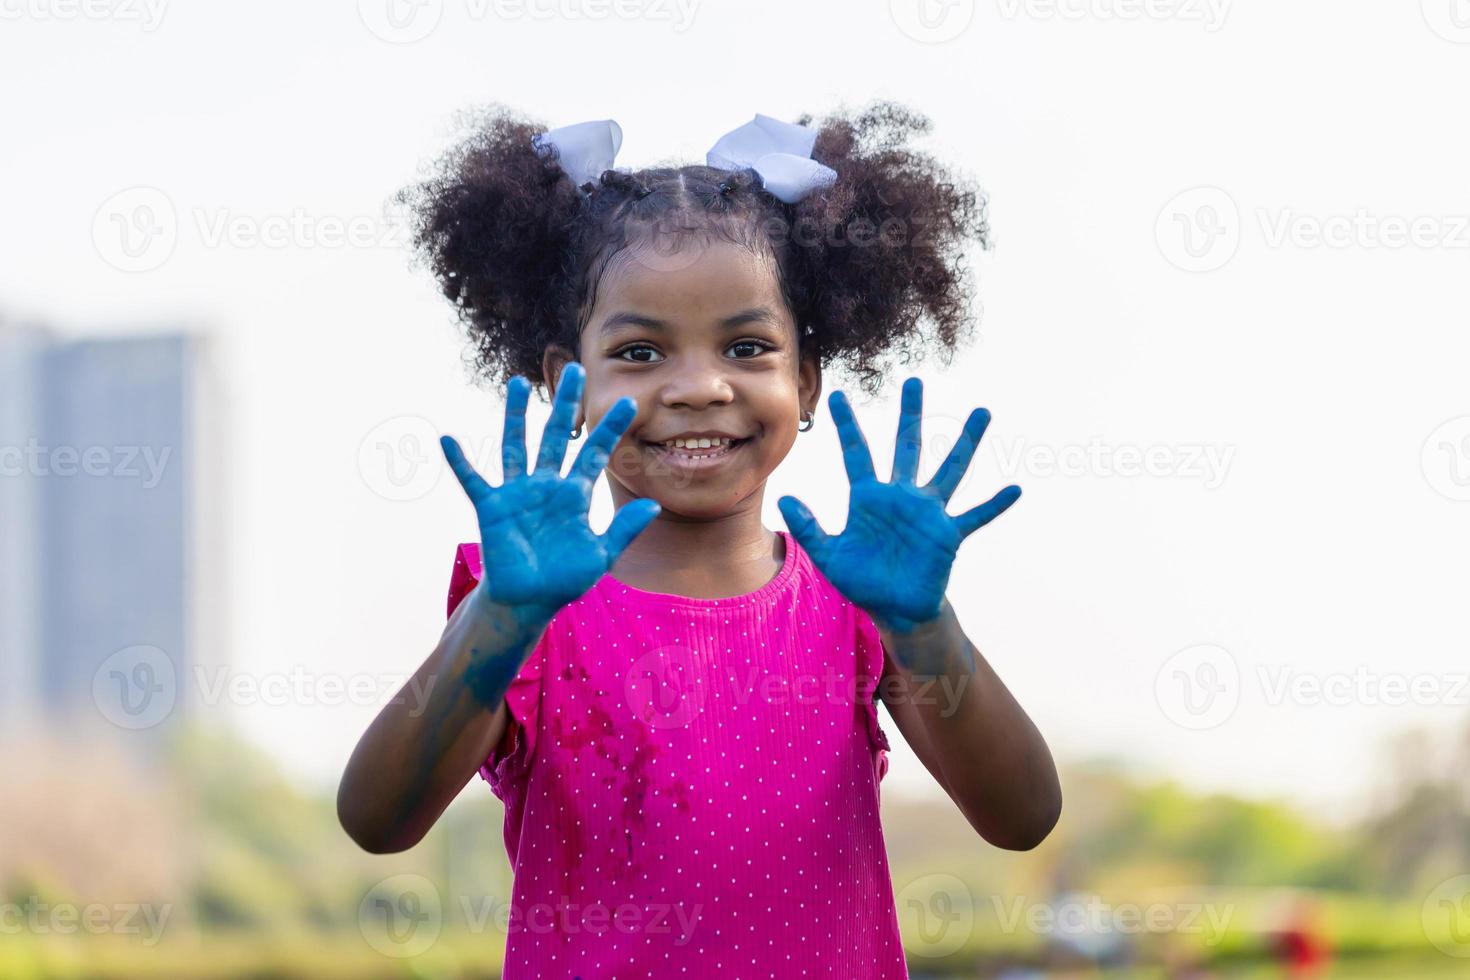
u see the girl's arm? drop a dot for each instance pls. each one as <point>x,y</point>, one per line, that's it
<point>539,554</point>
<point>421,751</point>
<point>893,560</point>
<point>970,733</point>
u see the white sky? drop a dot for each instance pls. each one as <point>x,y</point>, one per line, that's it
<point>1317,373</point>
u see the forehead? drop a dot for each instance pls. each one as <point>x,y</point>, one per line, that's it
<point>702,279</point>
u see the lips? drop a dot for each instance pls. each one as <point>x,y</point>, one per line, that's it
<point>695,458</point>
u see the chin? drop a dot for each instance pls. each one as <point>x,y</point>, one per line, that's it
<point>693,506</point>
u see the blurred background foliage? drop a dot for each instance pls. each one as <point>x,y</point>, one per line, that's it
<point>259,880</point>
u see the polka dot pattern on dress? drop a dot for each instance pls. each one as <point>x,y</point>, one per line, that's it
<point>692,784</point>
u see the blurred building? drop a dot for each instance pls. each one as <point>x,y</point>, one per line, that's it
<point>109,532</point>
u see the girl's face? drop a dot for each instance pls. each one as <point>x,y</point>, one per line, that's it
<point>705,343</point>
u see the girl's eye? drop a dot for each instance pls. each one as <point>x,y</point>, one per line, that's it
<point>636,347</point>
<point>754,348</point>
<point>759,347</point>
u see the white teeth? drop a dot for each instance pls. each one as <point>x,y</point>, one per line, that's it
<point>697,443</point>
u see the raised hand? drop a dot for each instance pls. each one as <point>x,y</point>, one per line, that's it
<point>893,558</point>
<point>539,551</point>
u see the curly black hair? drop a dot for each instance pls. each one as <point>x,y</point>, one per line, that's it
<point>865,264</point>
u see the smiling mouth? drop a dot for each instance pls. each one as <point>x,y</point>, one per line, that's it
<point>691,455</point>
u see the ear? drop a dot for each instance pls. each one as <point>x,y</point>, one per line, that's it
<point>808,382</point>
<point>553,360</point>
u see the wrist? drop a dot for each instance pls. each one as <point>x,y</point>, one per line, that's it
<point>513,619</point>
<point>495,640</point>
<point>917,629</point>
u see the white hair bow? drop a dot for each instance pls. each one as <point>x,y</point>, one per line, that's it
<point>780,152</point>
<point>585,149</point>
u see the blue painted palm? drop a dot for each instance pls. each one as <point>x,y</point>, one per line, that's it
<point>894,557</point>
<point>539,551</point>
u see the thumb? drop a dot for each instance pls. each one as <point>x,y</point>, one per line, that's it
<point>627,524</point>
<point>804,527</point>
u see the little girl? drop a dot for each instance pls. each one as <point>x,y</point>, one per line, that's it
<point>679,713</point>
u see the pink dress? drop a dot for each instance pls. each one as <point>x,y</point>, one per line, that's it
<point>691,786</point>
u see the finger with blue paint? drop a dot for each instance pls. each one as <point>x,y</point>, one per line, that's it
<point>538,550</point>
<point>894,557</point>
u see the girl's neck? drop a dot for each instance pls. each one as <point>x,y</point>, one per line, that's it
<point>729,556</point>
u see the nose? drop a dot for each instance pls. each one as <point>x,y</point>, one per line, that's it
<point>698,384</point>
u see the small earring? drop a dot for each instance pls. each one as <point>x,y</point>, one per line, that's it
<point>577,432</point>
<point>808,420</point>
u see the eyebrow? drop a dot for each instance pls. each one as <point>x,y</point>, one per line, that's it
<point>621,320</point>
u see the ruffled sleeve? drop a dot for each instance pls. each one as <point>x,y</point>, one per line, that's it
<point>522,698</point>
<point>870,673</point>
